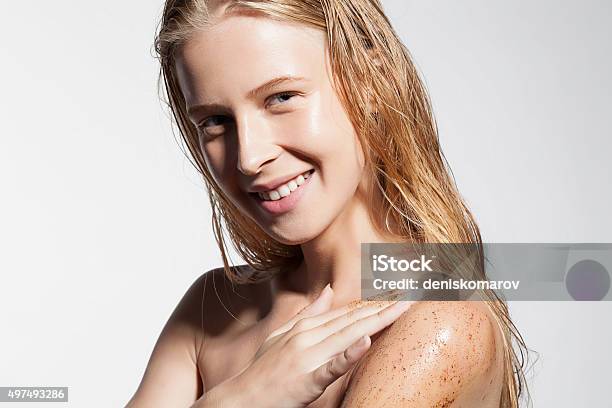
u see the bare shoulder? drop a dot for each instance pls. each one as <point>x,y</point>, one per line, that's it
<point>226,306</point>
<point>172,376</point>
<point>437,353</point>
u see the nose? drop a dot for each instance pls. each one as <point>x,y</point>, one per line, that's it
<point>255,145</point>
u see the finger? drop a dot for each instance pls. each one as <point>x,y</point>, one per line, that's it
<point>317,332</point>
<point>328,323</point>
<point>355,310</point>
<point>320,305</point>
<point>308,320</point>
<point>315,316</point>
<point>311,332</point>
<point>343,338</point>
<point>329,372</point>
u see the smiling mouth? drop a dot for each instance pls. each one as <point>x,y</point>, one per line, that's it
<point>284,190</point>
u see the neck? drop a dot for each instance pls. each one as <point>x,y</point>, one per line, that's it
<point>335,255</point>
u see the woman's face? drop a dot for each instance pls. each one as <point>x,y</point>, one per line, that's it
<point>289,139</point>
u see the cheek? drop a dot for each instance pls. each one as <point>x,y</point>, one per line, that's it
<point>335,140</point>
<point>325,134</point>
<point>214,154</point>
<point>218,157</point>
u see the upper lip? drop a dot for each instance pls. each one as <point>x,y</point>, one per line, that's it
<point>274,183</point>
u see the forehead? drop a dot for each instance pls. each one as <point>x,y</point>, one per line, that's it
<point>239,52</point>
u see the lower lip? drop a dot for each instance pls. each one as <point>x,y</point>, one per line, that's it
<point>285,204</point>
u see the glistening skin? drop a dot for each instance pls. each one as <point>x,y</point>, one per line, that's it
<point>270,124</point>
<point>259,93</point>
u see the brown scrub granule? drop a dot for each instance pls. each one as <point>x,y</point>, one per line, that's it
<point>359,303</point>
<point>390,295</point>
<point>444,403</point>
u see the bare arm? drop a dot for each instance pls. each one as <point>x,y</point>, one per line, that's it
<point>171,378</point>
<point>435,354</point>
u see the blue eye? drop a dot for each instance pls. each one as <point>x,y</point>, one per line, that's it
<point>284,96</point>
<point>215,125</point>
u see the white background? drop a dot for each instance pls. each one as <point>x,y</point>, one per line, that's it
<point>104,224</point>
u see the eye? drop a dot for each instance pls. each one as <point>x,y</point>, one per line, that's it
<point>283,96</point>
<point>213,125</point>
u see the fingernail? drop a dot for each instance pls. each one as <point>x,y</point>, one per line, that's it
<point>363,340</point>
<point>326,289</point>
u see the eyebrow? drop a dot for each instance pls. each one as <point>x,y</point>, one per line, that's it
<point>252,94</point>
<point>272,83</point>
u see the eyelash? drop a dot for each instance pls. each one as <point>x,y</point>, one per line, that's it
<point>289,93</point>
<point>285,94</point>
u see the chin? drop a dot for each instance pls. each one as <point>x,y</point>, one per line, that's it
<point>292,236</point>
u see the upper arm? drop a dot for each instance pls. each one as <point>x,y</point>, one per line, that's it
<point>171,378</point>
<point>433,355</point>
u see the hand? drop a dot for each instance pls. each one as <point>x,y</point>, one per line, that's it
<point>299,360</point>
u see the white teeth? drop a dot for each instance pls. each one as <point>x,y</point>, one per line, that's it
<point>285,189</point>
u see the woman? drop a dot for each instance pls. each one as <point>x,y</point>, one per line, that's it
<point>313,133</point>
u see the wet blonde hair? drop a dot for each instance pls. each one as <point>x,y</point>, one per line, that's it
<point>413,196</point>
